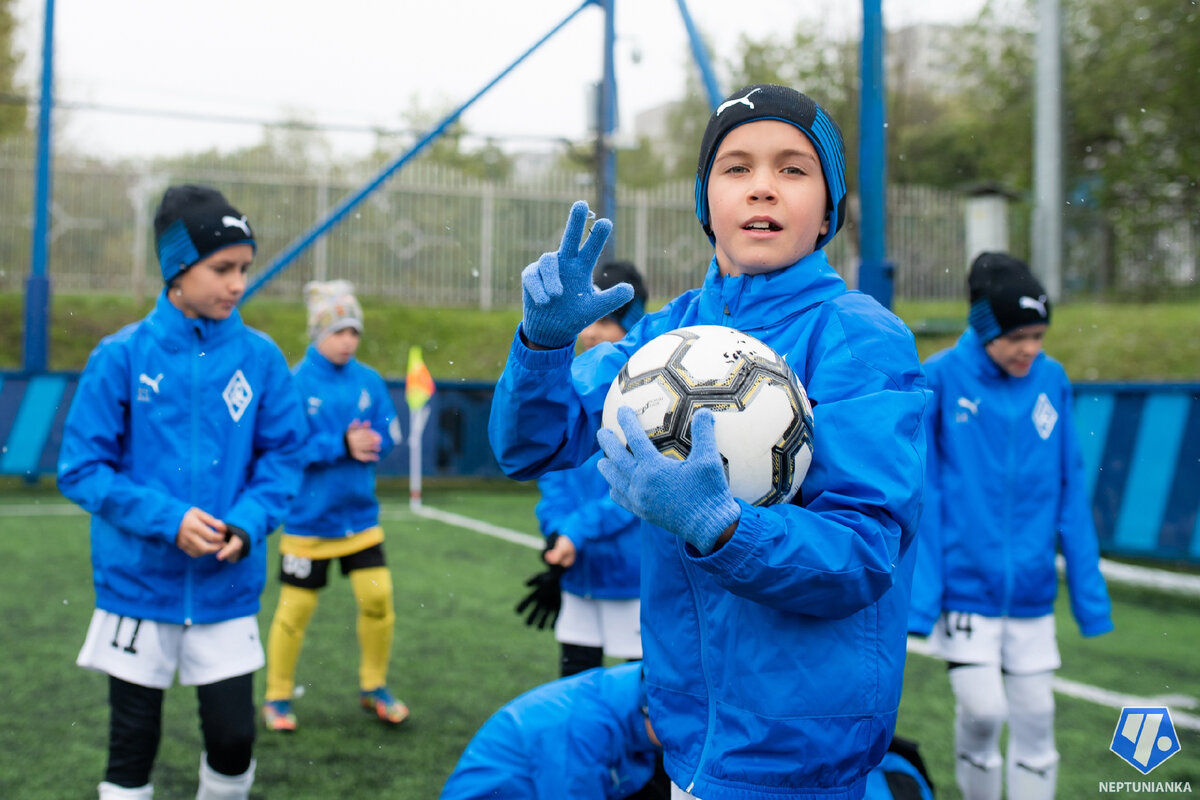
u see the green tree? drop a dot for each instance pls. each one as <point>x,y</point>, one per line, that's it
<point>487,161</point>
<point>1132,120</point>
<point>12,100</point>
<point>1131,152</point>
<point>641,167</point>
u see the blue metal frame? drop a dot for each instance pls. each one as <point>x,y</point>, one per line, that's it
<point>37,285</point>
<point>607,124</point>
<point>875,272</point>
<point>700,54</point>
<point>301,243</point>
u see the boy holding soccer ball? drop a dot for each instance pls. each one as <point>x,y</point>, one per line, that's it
<point>773,637</point>
<point>183,441</point>
<point>1004,490</point>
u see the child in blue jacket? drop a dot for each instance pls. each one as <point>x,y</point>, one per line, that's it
<point>585,737</point>
<point>773,638</point>
<point>352,424</point>
<point>1004,491</point>
<point>593,544</point>
<point>183,442</point>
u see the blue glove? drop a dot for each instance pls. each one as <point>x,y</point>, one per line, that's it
<point>560,298</point>
<point>689,498</point>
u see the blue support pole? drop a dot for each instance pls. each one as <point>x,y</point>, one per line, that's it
<point>700,54</point>
<point>875,272</point>
<point>339,212</point>
<point>608,128</point>
<point>37,285</point>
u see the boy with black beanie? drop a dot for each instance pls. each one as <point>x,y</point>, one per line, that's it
<point>183,442</point>
<point>1004,491</point>
<point>773,637</point>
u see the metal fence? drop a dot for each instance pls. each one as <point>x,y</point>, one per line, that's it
<point>430,236</point>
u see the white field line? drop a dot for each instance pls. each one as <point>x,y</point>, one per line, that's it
<point>459,521</point>
<point>41,510</point>
<point>1124,573</point>
<point>1177,582</point>
<point>1064,686</point>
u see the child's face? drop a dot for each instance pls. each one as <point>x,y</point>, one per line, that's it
<point>1014,352</point>
<point>340,346</point>
<point>605,329</point>
<point>212,287</point>
<point>766,198</point>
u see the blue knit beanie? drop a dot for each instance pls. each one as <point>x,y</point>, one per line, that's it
<point>1004,296</point>
<point>770,101</point>
<point>191,223</point>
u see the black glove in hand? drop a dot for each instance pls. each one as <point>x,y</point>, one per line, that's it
<point>232,531</point>
<point>545,599</point>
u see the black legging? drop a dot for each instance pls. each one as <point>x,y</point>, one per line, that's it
<point>577,657</point>
<point>135,728</point>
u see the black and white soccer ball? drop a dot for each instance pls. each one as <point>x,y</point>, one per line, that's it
<point>764,424</point>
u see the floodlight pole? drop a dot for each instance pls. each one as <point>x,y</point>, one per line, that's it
<point>875,272</point>
<point>342,209</point>
<point>37,285</point>
<point>1048,150</point>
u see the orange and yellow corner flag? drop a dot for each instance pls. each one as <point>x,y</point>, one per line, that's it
<point>418,383</point>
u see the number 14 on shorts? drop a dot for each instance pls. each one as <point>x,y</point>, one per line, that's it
<point>956,624</point>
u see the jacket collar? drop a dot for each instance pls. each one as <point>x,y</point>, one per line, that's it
<point>775,295</point>
<point>176,331</point>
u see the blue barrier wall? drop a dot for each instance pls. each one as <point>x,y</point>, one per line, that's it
<point>1141,450</point>
<point>33,407</point>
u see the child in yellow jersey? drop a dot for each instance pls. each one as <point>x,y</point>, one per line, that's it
<point>352,424</point>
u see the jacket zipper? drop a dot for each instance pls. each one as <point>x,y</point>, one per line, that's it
<point>680,547</point>
<point>1008,505</point>
<point>195,424</point>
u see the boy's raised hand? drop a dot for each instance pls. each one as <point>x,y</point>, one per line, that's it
<point>689,498</point>
<point>559,296</point>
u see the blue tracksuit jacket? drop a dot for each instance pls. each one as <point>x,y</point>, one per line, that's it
<point>337,496</point>
<point>171,413</point>
<point>582,738</point>
<point>1005,488</point>
<point>576,503</point>
<point>774,664</point>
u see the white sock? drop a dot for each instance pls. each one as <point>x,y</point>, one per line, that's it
<point>215,786</point>
<point>978,719</point>
<point>110,791</point>
<point>1032,769</point>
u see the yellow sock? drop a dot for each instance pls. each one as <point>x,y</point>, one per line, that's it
<point>295,609</point>
<point>376,624</point>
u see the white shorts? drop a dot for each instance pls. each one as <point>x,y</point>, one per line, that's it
<point>613,625</point>
<point>149,653</point>
<point>1020,646</point>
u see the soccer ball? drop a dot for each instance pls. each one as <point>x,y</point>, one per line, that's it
<point>763,418</point>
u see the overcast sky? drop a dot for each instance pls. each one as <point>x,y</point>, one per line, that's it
<point>363,63</point>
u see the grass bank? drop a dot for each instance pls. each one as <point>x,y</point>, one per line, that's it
<point>1094,341</point>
